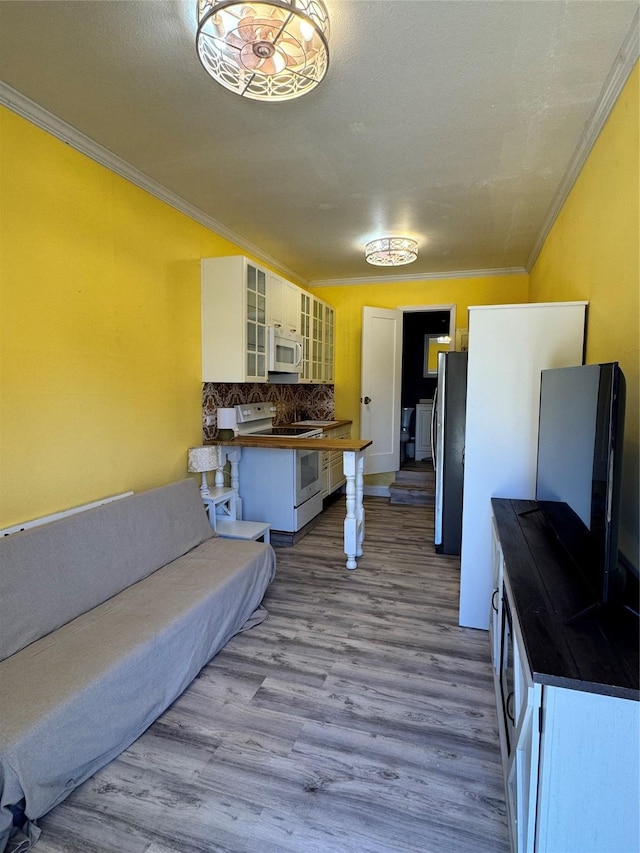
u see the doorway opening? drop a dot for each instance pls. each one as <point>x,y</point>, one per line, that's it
<point>381,388</point>
<point>420,326</point>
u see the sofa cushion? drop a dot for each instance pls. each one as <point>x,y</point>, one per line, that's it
<point>53,573</point>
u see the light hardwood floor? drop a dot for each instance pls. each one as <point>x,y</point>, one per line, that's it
<point>358,718</point>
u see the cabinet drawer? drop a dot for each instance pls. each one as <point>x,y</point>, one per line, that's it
<point>338,432</point>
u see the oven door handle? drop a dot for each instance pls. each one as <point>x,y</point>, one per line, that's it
<point>299,351</point>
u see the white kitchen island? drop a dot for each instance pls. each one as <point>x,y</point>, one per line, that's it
<point>353,453</point>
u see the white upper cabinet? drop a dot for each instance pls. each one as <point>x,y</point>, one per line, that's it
<point>296,310</point>
<point>306,324</point>
<point>283,304</point>
<point>239,300</point>
<point>328,354</point>
<point>234,320</point>
<point>322,342</point>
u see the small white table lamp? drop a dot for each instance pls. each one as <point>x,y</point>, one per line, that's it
<point>226,423</point>
<point>203,459</point>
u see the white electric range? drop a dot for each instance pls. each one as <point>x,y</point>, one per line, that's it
<point>257,419</point>
<point>280,486</point>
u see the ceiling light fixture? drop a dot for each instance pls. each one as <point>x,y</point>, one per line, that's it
<point>270,51</point>
<point>391,251</point>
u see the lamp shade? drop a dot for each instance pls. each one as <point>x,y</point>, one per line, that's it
<point>226,419</point>
<point>203,459</point>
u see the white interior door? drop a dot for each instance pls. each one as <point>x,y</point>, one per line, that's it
<point>380,388</point>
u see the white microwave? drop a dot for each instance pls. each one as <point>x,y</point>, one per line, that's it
<point>284,351</point>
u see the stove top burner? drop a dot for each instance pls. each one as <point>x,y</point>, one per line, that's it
<point>285,430</point>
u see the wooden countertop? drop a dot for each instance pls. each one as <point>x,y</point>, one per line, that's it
<point>287,443</point>
<point>284,442</point>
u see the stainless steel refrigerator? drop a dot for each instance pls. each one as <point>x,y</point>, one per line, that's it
<point>448,427</point>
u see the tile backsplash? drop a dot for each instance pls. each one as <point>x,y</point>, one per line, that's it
<point>292,402</point>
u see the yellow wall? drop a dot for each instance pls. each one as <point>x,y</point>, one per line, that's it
<point>100,331</point>
<point>99,324</point>
<point>349,301</point>
<point>100,386</point>
<point>593,253</point>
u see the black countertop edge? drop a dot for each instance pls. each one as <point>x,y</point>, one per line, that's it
<point>613,690</point>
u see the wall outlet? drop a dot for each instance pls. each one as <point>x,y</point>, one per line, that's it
<point>209,420</point>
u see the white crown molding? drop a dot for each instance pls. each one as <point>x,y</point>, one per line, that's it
<point>28,109</point>
<point>402,279</point>
<point>622,67</point>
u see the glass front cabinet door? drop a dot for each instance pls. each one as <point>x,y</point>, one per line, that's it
<point>256,324</point>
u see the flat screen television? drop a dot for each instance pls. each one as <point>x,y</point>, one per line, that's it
<point>579,470</point>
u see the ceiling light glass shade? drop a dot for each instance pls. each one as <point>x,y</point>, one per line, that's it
<point>269,51</point>
<point>391,251</point>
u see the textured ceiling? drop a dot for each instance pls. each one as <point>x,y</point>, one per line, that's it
<point>452,122</point>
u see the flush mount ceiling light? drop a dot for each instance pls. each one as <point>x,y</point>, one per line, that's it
<point>391,251</point>
<point>270,51</point>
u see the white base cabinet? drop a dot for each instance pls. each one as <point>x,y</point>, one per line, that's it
<point>270,485</point>
<point>570,739</point>
<point>332,461</point>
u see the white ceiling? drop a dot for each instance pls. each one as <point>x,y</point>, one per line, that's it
<point>457,122</point>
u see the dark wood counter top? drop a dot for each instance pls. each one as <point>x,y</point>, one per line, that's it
<point>597,653</point>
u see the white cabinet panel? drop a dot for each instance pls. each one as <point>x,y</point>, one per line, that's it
<point>509,345</point>
<point>588,791</point>
<point>283,304</point>
<point>292,307</point>
<point>233,305</point>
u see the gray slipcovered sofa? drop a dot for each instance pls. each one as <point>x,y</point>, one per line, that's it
<point>105,618</point>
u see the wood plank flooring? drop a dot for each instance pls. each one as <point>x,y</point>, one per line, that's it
<point>358,718</point>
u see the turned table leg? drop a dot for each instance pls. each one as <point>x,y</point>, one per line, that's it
<point>234,458</point>
<point>353,467</point>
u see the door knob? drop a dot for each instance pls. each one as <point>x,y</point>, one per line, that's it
<point>367,400</point>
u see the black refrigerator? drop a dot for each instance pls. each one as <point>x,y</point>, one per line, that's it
<point>448,426</point>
